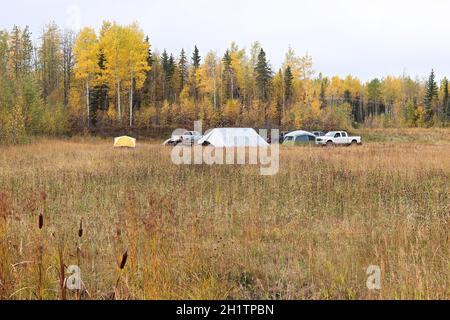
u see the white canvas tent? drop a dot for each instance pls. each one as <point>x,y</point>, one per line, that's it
<point>232,138</point>
<point>299,133</point>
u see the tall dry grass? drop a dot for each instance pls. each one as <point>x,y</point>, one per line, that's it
<point>192,232</point>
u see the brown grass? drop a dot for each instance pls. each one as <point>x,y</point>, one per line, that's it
<point>191,232</point>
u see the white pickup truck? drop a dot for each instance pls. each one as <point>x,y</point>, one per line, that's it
<point>338,138</point>
<point>187,138</point>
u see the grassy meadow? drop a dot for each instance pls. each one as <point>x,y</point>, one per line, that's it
<point>226,232</point>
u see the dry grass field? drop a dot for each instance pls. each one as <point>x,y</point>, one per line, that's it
<point>226,232</point>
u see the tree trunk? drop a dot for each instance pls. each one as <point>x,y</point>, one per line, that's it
<point>87,104</point>
<point>283,106</point>
<point>118,100</point>
<point>131,103</point>
<point>232,87</point>
<point>215,95</point>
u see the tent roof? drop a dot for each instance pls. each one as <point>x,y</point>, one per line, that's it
<point>125,141</point>
<point>299,133</point>
<point>233,137</point>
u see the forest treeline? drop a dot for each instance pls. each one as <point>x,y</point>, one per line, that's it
<point>68,83</point>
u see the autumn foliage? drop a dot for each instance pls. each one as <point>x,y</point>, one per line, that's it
<point>113,78</point>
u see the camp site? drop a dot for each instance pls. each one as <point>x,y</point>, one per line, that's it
<point>229,219</point>
<point>159,160</point>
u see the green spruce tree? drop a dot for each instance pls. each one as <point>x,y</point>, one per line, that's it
<point>170,77</point>
<point>183,69</point>
<point>15,52</point>
<point>145,97</point>
<point>288,85</point>
<point>228,77</point>
<point>445,99</point>
<point>431,95</point>
<point>263,76</point>
<point>165,70</point>
<point>322,95</point>
<point>27,51</point>
<point>196,59</point>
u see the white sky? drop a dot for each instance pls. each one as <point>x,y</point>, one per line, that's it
<point>366,38</point>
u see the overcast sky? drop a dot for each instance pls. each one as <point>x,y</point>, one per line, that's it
<point>366,38</point>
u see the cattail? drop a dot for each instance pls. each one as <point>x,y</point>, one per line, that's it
<point>124,260</point>
<point>41,221</point>
<point>80,231</point>
<point>41,216</point>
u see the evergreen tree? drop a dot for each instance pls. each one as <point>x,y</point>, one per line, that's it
<point>15,51</point>
<point>165,69</point>
<point>288,84</point>
<point>228,76</point>
<point>168,65</point>
<point>165,61</point>
<point>196,59</point>
<point>445,99</point>
<point>157,92</point>
<point>3,53</point>
<point>100,91</point>
<point>322,95</point>
<point>171,66</point>
<point>27,51</point>
<point>431,94</point>
<point>50,60</point>
<point>183,69</point>
<point>20,52</point>
<point>170,77</point>
<point>145,95</point>
<point>263,76</point>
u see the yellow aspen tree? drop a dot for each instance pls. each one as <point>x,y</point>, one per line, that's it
<point>336,90</point>
<point>392,93</point>
<point>86,50</point>
<point>113,46</point>
<point>301,68</point>
<point>231,111</point>
<point>238,63</point>
<point>136,60</point>
<point>212,73</point>
<point>352,85</point>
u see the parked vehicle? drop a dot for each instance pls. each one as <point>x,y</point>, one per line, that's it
<point>186,137</point>
<point>191,137</point>
<point>318,133</point>
<point>338,138</point>
<point>298,138</point>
